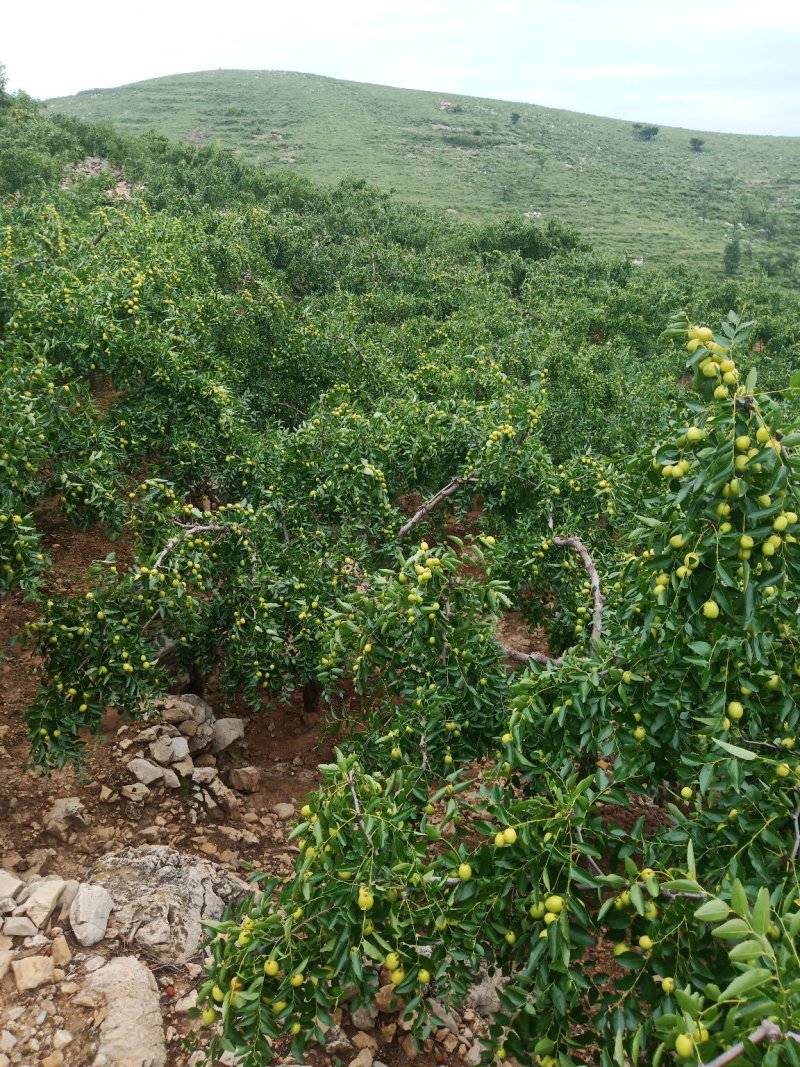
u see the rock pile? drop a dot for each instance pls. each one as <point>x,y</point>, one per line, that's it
<point>181,752</point>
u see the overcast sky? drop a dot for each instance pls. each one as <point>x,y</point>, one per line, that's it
<point>727,65</point>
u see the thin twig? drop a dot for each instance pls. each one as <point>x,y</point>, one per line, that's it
<point>682,896</point>
<point>589,859</point>
<point>767,1031</point>
<point>356,804</point>
<point>449,490</point>
<point>597,615</point>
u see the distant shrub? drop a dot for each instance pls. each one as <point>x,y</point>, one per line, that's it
<point>645,133</point>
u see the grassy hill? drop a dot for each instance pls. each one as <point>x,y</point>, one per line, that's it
<point>658,200</point>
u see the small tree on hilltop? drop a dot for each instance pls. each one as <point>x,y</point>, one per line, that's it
<point>696,144</point>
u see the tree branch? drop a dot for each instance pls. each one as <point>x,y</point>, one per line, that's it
<point>30,262</point>
<point>597,615</point>
<point>539,657</point>
<point>187,531</point>
<point>449,490</point>
<point>767,1031</point>
<point>356,804</point>
<point>796,821</point>
<point>423,751</point>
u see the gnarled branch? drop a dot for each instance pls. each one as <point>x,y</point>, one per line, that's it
<point>597,614</point>
<point>538,657</point>
<point>449,490</point>
<point>187,531</point>
<point>796,821</point>
<point>767,1031</point>
<point>356,805</point>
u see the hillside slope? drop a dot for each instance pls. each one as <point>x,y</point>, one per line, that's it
<point>659,200</point>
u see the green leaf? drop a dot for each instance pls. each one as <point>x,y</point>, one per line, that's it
<point>732,930</point>
<point>761,912</point>
<point>734,750</point>
<point>751,979</point>
<point>714,910</point>
<point>747,950</point>
<point>739,902</point>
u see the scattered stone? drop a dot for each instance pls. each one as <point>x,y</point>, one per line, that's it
<point>185,1004</point>
<point>105,794</point>
<point>19,926</point>
<point>444,1016</point>
<point>483,998</point>
<point>65,815</point>
<point>363,1059</point>
<point>10,885</point>
<point>7,956</point>
<point>40,862</point>
<point>161,895</point>
<point>55,1059</point>
<point>31,972</point>
<point>171,780</point>
<point>284,811</point>
<point>131,1033</point>
<point>450,1043</point>
<point>176,712</point>
<point>409,1047</point>
<point>386,999</point>
<point>202,739</point>
<point>137,793</point>
<point>337,1043</point>
<point>60,951</point>
<point>183,767</point>
<point>245,779</point>
<point>67,896</point>
<point>225,797</point>
<point>43,898</point>
<point>200,710</point>
<point>473,1055</point>
<point>226,731</point>
<point>189,728</point>
<point>204,775</point>
<point>89,914</point>
<point>361,1040</point>
<point>145,772</point>
<point>62,1038</point>
<point>387,1033</point>
<point>364,1016</point>
<point>169,749</point>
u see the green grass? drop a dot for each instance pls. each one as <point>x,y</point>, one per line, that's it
<point>658,201</point>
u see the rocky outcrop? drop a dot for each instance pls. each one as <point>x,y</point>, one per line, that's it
<point>131,1034</point>
<point>160,897</point>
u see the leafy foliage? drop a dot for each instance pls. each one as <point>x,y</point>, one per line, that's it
<point>343,442</point>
